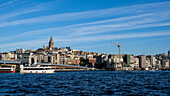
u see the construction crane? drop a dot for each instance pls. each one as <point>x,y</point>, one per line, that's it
<point>118,45</point>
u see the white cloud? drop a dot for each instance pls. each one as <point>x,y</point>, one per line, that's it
<point>38,43</point>
<point>128,10</point>
<point>25,44</point>
<point>116,36</point>
<point>93,28</point>
<point>9,15</point>
<point>91,32</point>
<point>25,10</point>
<point>6,3</point>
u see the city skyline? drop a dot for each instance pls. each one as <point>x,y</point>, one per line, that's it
<point>141,27</point>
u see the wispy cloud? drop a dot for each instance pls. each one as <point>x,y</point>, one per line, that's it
<point>117,28</point>
<point>73,28</point>
<point>116,36</point>
<point>6,3</point>
<point>137,22</point>
<point>94,28</point>
<point>128,10</point>
<point>137,17</point>
<point>36,43</point>
<point>23,11</point>
<point>153,40</point>
<point>25,44</point>
<point>9,15</point>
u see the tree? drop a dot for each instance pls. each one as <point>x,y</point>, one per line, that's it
<point>82,61</point>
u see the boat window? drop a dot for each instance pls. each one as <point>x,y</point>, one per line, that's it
<point>48,68</point>
<point>5,69</point>
<point>34,69</point>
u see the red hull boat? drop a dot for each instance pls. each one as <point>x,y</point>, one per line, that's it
<point>7,69</point>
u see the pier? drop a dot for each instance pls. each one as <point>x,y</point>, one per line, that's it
<point>61,67</point>
<point>57,67</point>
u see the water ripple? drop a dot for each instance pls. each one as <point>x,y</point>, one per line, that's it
<point>86,83</point>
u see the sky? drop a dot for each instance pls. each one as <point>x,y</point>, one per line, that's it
<point>142,27</point>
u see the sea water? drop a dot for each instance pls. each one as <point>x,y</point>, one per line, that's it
<point>87,83</point>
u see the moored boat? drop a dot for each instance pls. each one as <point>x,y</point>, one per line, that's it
<point>7,69</point>
<point>37,69</point>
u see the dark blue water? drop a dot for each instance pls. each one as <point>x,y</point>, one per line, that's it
<point>86,83</point>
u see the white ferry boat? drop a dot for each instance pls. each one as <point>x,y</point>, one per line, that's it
<point>7,69</point>
<point>37,69</point>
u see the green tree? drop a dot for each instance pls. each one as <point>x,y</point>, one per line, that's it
<point>82,61</point>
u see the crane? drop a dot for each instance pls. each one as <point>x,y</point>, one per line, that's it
<point>118,45</point>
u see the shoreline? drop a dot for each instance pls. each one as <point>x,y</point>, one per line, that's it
<point>103,70</point>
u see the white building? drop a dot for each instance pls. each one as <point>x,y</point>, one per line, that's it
<point>89,56</point>
<point>9,56</point>
<point>136,63</point>
<point>29,59</point>
<point>20,51</point>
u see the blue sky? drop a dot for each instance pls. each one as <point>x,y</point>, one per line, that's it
<point>140,26</point>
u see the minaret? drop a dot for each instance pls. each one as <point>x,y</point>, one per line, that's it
<point>51,43</point>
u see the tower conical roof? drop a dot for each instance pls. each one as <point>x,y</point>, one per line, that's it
<point>51,43</point>
<point>51,39</point>
<point>44,47</point>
